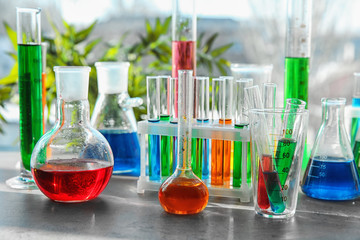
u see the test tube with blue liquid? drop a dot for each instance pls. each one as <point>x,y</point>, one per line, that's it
<point>241,150</point>
<point>153,116</point>
<point>200,147</point>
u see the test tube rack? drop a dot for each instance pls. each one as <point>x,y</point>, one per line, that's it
<point>199,130</point>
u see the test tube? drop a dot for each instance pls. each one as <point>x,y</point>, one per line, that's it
<point>269,95</point>
<point>241,151</point>
<point>28,26</point>
<point>200,147</point>
<point>153,114</point>
<point>44,46</point>
<point>297,52</point>
<point>269,187</point>
<point>260,73</point>
<point>222,109</point>
<point>165,111</point>
<point>173,119</point>
<point>355,120</point>
<point>286,145</point>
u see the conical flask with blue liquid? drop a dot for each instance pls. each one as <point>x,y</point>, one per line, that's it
<point>114,117</point>
<point>331,173</point>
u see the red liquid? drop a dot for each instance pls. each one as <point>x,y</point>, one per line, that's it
<point>262,197</point>
<point>183,196</point>
<point>67,181</point>
<point>183,58</point>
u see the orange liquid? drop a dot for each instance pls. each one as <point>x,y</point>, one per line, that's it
<point>217,162</point>
<point>183,196</point>
<point>225,121</point>
<point>227,158</point>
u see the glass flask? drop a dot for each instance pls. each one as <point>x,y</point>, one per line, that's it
<point>72,162</point>
<point>114,117</point>
<point>331,173</point>
<point>183,192</point>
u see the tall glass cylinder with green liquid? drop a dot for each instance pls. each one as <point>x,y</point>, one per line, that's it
<point>28,26</point>
<point>30,97</point>
<point>297,54</point>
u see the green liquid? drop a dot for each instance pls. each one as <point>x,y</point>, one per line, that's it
<point>354,128</point>
<point>296,78</point>
<point>356,152</point>
<point>237,168</point>
<point>166,151</point>
<point>30,97</point>
<point>284,157</point>
<point>197,156</point>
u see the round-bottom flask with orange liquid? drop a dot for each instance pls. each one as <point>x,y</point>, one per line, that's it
<point>183,192</point>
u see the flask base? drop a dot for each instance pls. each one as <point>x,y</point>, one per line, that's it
<point>21,183</point>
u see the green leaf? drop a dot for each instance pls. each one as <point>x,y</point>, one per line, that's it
<point>90,46</point>
<point>13,55</point>
<point>148,26</point>
<point>12,77</point>
<point>11,34</point>
<point>209,42</point>
<point>220,50</point>
<point>83,34</point>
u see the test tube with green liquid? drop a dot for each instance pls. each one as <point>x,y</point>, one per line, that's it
<point>355,119</point>
<point>30,91</point>
<point>165,142</point>
<point>200,147</point>
<point>241,121</point>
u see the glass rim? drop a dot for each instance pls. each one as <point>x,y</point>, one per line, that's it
<point>28,10</point>
<point>339,100</point>
<point>252,66</point>
<point>72,68</point>
<point>268,111</point>
<point>111,64</point>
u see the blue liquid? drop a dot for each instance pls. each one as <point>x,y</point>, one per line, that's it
<point>206,159</point>
<point>274,191</point>
<point>126,150</point>
<point>331,179</point>
<point>154,157</point>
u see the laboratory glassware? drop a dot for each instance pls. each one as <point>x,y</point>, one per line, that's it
<point>166,148</point>
<point>241,150</point>
<point>44,46</point>
<point>222,114</point>
<point>265,160</point>
<point>200,147</point>
<point>355,120</point>
<point>72,162</point>
<point>173,120</point>
<point>30,91</point>
<point>297,52</point>
<point>153,115</point>
<point>114,117</point>
<point>183,192</point>
<point>331,173</point>
<point>259,73</point>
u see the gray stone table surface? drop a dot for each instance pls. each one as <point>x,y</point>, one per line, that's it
<point>120,213</point>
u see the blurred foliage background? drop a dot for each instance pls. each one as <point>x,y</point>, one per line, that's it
<point>72,47</point>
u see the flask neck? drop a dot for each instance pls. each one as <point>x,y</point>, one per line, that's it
<point>333,114</point>
<point>73,113</point>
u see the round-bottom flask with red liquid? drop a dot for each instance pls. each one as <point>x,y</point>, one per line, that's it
<point>72,162</point>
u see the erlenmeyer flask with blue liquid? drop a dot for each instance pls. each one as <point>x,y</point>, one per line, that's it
<point>114,117</point>
<point>331,173</point>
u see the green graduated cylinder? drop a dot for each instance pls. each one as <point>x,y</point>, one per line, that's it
<point>30,95</point>
<point>296,78</point>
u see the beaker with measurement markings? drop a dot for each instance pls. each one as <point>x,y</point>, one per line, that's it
<point>271,152</point>
<point>331,173</point>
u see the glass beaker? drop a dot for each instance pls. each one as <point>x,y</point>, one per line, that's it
<point>28,24</point>
<point>183,192</point>
<point>272,197</point>
<point>259,73</point>
<point>72,162</point>
<point>355,116</point>
<point>331,173</point>
<point>114,117</point>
